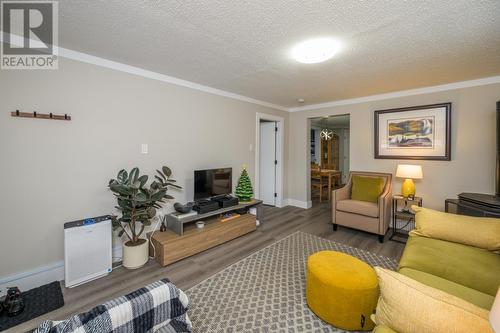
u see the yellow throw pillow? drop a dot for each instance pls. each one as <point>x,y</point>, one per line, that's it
<point>367,188</point>
<point>482,232</point>
<point>408,306</point>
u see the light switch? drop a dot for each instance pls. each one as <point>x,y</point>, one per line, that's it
<point>144,148</point>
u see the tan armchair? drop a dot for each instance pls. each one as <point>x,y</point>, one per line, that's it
<point>362,215</point>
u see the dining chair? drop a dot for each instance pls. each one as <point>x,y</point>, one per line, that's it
<point>318,182</point>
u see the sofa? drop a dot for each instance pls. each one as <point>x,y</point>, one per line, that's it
<point>455,254</point>
<point>363,213</point>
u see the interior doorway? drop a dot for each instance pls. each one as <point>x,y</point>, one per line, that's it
<point>269,159</point>
<point>329,153</point>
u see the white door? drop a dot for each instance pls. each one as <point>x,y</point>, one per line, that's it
<point>267,162</point>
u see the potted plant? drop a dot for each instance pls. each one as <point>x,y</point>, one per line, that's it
<point>137,204</point>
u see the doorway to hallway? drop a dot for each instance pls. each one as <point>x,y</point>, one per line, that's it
<point>329,154</point>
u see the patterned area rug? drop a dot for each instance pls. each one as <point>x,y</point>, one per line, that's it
<point>265,292</point>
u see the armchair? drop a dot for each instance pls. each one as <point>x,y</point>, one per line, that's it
<point>362,215</point>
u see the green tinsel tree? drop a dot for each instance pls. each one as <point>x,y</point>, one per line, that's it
<point>244,190</point>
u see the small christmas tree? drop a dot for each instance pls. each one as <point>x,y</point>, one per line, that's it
<point>244,190</point>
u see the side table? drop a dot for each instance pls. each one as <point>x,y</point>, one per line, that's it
<point>403,218</point>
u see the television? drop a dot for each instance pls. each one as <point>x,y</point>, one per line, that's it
<point>213,182</point>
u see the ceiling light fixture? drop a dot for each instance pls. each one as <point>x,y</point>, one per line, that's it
<point>326,133</point>
<point>316,50</point>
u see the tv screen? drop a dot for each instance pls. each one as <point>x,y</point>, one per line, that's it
<point>210,183</point>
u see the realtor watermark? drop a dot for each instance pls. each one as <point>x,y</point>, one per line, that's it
<point>29,34</point>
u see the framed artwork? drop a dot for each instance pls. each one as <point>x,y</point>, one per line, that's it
<point>414,133</point>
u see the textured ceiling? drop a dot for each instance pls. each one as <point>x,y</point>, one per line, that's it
<point>243,46</point>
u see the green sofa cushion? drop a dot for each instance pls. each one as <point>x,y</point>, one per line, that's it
<point>473,296</point>
<point>383,329</point>
<point>367,188</point>
<point>465,265</point>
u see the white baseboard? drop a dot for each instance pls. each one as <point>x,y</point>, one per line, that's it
<point>33,278</point>
<point>297,203</point>
<point>42,275</point>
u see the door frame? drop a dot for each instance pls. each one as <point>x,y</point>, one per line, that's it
<point>308,150</point>
<point>280,146</point>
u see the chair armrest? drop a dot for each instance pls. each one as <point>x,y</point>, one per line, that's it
<point>384,206</point>
<point>342,193</point>
<point>386,195</point>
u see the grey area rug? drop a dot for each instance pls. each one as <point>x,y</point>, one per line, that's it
<point>265,292</point>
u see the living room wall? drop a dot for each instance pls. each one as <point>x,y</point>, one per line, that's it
<point>56,171</point>
<point>472,167</point>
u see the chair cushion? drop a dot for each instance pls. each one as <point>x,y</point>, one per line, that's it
<point>367,188</point>
<point>358,207</point>
<point>468,266</point>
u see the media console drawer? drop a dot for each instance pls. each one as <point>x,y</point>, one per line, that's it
<point>170,247</point>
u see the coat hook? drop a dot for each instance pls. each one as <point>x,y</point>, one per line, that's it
<point>65,116</point>
<point>17,113</point>
<point>51,115</point>
<point>34,114</point>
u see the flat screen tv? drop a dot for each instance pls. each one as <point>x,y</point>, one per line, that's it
<point>213,182</point>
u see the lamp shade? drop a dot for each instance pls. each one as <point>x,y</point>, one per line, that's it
<point>409,171</point>
<point>495,314</point>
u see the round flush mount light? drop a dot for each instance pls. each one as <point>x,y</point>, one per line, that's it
<point>316,50</point>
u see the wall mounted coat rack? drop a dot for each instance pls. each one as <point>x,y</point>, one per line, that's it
<point>40,115</point>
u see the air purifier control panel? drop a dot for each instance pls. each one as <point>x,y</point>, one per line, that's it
<point>87,221</point>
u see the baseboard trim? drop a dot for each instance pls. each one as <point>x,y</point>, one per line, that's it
<point>297,203</point>
<point>33,278</point>
<point>42,275</point>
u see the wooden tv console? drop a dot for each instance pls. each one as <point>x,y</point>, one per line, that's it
<point>182,239</point>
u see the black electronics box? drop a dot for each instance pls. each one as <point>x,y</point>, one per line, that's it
<point>226,201</point>
<point>205,206</point>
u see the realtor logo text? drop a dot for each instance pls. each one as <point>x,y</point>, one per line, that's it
<point>29,33</point>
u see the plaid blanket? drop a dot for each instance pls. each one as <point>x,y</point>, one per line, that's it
<point>158,307</point>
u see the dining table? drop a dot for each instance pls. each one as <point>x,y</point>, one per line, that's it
<point>334,177</point>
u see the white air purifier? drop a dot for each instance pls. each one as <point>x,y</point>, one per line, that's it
<point>87,250</point>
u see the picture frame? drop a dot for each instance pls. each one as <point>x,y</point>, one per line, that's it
<point>414,133</point>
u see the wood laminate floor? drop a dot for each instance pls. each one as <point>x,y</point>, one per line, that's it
<point>279,222</point>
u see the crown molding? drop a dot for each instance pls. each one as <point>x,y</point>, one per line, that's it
<point>90,59</point>
<point>121,67</point>
<point>402,93</point>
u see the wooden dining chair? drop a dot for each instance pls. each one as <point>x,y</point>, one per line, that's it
<point>318,182</point>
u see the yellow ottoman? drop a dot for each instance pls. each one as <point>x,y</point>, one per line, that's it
<point>341,290</point>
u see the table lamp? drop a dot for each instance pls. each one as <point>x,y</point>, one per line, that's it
<point>409,172</point>
<point>495,314</point>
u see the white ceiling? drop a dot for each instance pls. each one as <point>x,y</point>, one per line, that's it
<point>243,46</point>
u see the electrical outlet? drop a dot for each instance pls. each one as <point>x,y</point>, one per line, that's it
<point>144,148</point>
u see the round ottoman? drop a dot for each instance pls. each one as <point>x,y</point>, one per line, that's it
<point>341,290</point>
